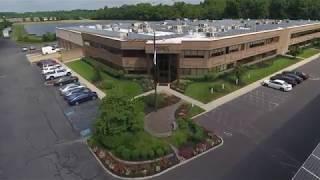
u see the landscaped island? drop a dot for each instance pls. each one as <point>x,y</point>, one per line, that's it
<point>124,148</point>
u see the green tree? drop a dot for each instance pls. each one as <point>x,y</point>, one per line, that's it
<point>119,115</point>
<point>278,9</point>
<point>232,9</point>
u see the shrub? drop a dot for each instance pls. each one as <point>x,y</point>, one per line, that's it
<point>135,155</point>
<point>125,154</point>
<point>159,152</point>
<point>143,155</point>
<point>151,154</point>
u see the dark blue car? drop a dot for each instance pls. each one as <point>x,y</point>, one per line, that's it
<point>81,97</point>
<point>73,93</point>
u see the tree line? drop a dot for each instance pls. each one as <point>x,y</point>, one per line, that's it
<point>208,9</point>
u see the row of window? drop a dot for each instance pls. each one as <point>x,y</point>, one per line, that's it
<point>228,50</point>
<point>123,53</point>
<point>304,33</point>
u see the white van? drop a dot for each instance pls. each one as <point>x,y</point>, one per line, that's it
<point>49,50</point>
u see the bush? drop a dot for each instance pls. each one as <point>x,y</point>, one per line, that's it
<point>151,154</point>
<point>135,155</point>
<point>160,152</point>
<point>143,155</point>
<point>125,154</point>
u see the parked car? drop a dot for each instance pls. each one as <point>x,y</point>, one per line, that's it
<point>31,48</point>
<point>82,97</point>
<point>57,73</point>
<point>303,75</point>
<point>74,92</point>
<point>294,76</point>
<point>24,49</point>
<point>46,61</point>
<point>277,84</point>
<point>287,79</point>
<point>66,80</point>
<point>46,65</point>
<point>70,87</point>
<point>46,70</point>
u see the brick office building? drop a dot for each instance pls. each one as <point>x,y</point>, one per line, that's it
<point>187,47</point>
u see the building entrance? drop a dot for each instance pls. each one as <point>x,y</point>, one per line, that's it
<point>168,67</point>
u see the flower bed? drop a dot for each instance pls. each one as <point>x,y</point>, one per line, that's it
<point>131,168</point>
<point>190,150</point>
<point>186,110</point>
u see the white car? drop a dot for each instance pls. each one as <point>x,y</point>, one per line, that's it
<point>70,87</point>
<point>277,84</point>
<point>49,65</point>
<point>57,73</point>
<point>51,68</point>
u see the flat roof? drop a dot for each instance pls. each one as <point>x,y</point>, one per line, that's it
<point>187,29</point>
<point>310,170</point>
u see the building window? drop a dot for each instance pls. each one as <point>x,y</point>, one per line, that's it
<point>194,54</point>
<point>217,52</point>
<point>234,48</point>
<point>256,43</point>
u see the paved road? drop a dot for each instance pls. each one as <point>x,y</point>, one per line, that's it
<point>37,142</point>
<point>268,134</point>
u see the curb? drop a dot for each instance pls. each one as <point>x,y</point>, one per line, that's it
<point>160,173</point>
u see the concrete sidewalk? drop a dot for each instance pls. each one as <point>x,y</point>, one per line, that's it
<point>82,80</point>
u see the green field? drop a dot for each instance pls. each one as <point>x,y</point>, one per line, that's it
<point>201,90</point>
<point>119,86</point>
<point>308,52</point>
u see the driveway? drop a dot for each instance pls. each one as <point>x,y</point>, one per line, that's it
<point>36,138</point>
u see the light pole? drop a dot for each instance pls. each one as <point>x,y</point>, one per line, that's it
<point>155,79</point>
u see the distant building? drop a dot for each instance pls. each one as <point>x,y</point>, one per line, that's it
<point>196,48</point>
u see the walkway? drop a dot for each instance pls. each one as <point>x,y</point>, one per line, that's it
<point>159,123</point>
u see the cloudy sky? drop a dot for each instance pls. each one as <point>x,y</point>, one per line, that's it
<point>44,5</point>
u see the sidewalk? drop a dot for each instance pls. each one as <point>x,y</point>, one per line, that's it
<point>82,80</point>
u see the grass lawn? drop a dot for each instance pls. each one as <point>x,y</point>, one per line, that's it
<point>308,52</point>
<point>122,87</point>
<point>201,90</point>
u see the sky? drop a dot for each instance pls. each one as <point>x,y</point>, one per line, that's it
<point>50,5</point>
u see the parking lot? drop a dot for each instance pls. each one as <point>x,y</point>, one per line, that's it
<point>36,137</point>
<point>82,116</point>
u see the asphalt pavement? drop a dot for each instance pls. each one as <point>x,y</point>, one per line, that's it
<point>37,140</point>
<point>267,134</point>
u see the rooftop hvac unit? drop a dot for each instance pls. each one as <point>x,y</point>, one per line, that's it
<point>99,26</point>
<point>177,29</point>
<point>116,28</point>
<point>210,34</point>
